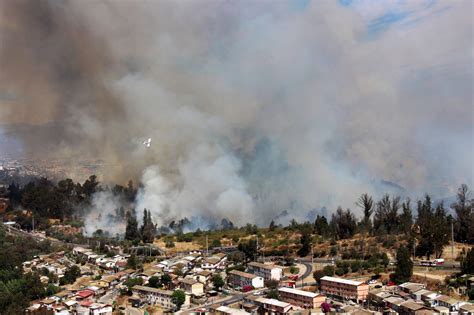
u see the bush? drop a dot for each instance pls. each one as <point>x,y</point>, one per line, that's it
<point>328,270</point>
<point>294,270</point>
<point>355,266</point>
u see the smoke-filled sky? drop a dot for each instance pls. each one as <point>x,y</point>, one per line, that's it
<point>254,107</point>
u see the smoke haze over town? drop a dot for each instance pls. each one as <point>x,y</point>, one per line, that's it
<point>253,107</point>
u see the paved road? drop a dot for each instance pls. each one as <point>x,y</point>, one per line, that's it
<point>38,237</point>
<point>109,298</point>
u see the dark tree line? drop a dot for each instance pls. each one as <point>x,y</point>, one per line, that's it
<point>63,200</point>
<point>429,229</point>
<point>147,231</point>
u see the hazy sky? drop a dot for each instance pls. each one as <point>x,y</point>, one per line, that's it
<point>253,106</point>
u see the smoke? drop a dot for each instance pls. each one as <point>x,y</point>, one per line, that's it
<point>253,108</point>
<point>104,214</point>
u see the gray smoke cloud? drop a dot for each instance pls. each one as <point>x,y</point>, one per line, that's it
<point>253,108</point>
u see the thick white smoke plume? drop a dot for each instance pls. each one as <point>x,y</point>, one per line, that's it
<point>253,107</point>
<point>210,184</point>
<point>104,215</point>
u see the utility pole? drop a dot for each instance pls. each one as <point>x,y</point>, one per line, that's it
<point>257,247</point>
<point>33,222</point>
<point>207,246</point>
<point>312,255</point>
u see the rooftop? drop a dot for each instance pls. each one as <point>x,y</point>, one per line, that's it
<point>299,292</point>
<point>411,305</point>
<point>263,266</point>
<point>152,290</point>
<point>242,274</point>
<point>447,299</point>
<point>273,302</point>
<point>229,310</point>
<point>340,280</point>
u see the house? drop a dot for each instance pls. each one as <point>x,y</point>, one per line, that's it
<point>100,309</point>
<point>394,303</point>
<point>85,295</point>
<point>466,309</point>
<point>301,298</point>
<point>348,289</point>
<point>267,271</point>
<point>410,307</point>
<point>272,306</point>
<point>155,296</point>
<point>410,287</point>
<point>449,302</point>
<point>203,276</point>
<point>225,310</point>
<point>377,296</point>
<point>240,279</point>
<point>426,296</point>
<point>214,262</point>
<point>192,286</point>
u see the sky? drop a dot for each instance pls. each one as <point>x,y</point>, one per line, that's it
<point>254,107</point>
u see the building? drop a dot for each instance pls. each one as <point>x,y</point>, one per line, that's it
<point>410,287</point>
<point>344,288</point>
<point>240,279</point>
<point>216,261</point>
<point>301,298</point>
<point>467,308</point>
<point>449,302</point>
<point>192,286</point>
<point>225,310</point>
<point>267,271</point>
<point>272,306</point>
<point>410,307</point>
<point>155,296</point>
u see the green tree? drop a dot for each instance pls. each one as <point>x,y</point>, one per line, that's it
<point>305,243</point>
<point>131,230</point>
<point>318,274</point>
<point>464,208</point>
<point>329,270</point>
<point>249,249</point>
<point>132,262</point>
<point>215,243</point>
<point>148,229</point>
<point>217,281</point>
<point>321,226</point>
<point>404,269</point>
<point>343,224</point>
<point>367,204</point>
<point>178,298</point>
<point>467,264</point>
<point>154,282</point>
<point>165,279</point>
<point>71,274</point>
<point>272,294</point>
<point>406,218</point>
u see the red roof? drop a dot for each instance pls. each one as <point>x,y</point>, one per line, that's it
<point>85,293</point>
<point>86,303</point>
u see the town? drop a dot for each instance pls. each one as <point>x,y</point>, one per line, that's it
<point>210,281</point>
<point>301,268</point>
